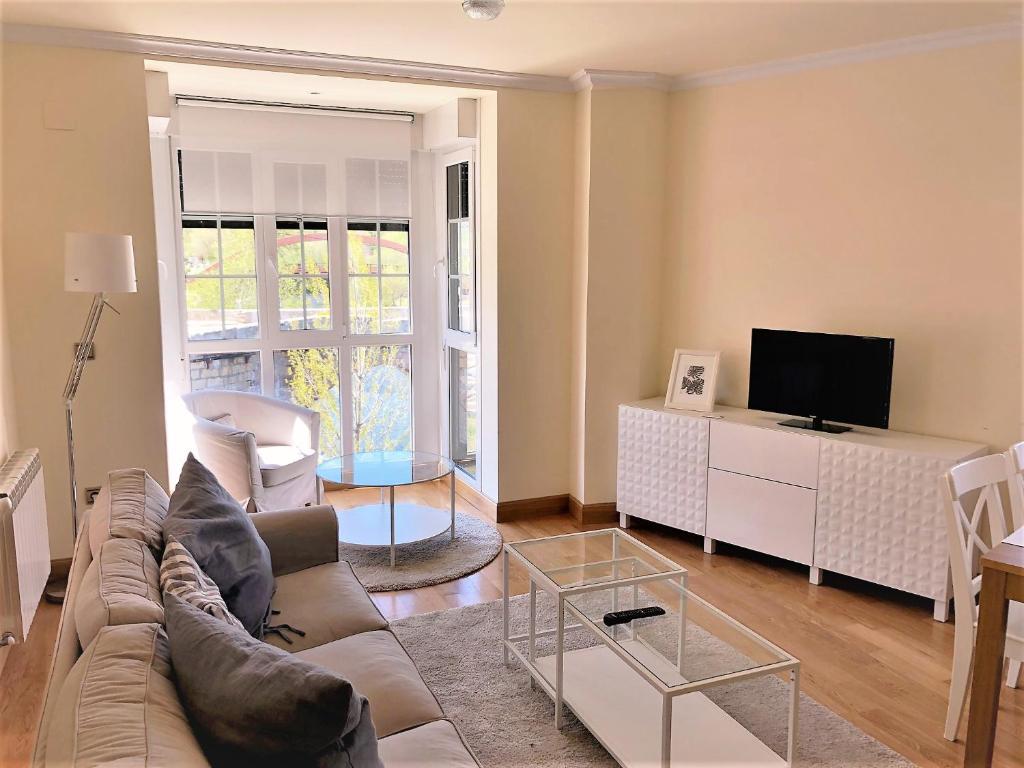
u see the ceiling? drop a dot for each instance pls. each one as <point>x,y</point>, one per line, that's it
<point>293,88</point>
<point>530,36</point>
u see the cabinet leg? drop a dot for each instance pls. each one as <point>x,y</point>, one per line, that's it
<point>709,545</point>
<point>625,521</point>
<point>816,575</point>
<point>940,611</point>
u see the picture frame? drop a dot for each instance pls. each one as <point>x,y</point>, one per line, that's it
<point>691,387</point>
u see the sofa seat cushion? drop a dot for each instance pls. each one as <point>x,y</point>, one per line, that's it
<point>121,586</point>
<point>281,463</point>
<point>428,746</point>
<point>327,602</point>
<point>118,704</point>
<point>382,671</point>
<point>132,505</point>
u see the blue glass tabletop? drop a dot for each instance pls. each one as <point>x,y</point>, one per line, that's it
<point>383,469</point>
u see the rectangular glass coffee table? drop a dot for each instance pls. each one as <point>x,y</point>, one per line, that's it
<point>645,688</point>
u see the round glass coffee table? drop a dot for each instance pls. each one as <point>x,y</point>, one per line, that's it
<point>388,523</point>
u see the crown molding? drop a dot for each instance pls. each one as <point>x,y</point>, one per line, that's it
<point>596,79</point>
<point>606,79</point>
<point>955,38</point>
<point>169,47</point>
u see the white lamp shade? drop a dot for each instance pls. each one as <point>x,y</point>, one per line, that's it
<point>95,263</point>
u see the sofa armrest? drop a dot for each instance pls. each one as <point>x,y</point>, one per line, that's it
<point>299,538</point>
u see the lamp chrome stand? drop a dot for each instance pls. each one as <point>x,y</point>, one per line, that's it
<point>55,591</point>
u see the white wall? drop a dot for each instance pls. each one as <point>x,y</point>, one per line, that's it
<point>879,198</point>
<point>95,176</point>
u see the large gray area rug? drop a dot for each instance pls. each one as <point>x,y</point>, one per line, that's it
<point>423,563</point>
<point>507,724</point>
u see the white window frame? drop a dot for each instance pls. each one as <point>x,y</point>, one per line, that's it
<point>271,338</point>
<point>451,338</point>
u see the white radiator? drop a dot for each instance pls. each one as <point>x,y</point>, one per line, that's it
<point>24,544</point>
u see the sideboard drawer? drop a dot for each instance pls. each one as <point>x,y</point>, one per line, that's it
<point>766,453</point>
<point>773,518</point>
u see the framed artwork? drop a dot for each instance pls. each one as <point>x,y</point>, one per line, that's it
<point>691,387</point>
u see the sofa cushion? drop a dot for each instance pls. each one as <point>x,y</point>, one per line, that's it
<point>327,602</point>
<point>209,523</point>
<point>182,577</point>
<point>132,505</point>
<point>379,667</point>
<point>256,705</point>
<point>121,586</point>
<point>118,704</point>
<point>433,744</point>
<point>281,463</point>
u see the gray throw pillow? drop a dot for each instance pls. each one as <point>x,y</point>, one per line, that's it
<point>256,705</point>
<point>214,528</point>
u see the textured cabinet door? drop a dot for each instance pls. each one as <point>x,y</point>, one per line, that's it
<point>663,467</point>
<point>880,519</point>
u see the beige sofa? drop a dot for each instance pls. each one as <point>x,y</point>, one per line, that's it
<point>344,632</point>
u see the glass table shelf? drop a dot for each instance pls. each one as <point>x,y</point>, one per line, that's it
<point>387,523</point>
<point>385,469</point>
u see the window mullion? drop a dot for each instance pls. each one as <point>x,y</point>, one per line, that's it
<point>380,286</point>
<point>220,272</point>
<point>302,274</point>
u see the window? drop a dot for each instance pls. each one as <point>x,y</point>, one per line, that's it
<point>461,252</point>
<point>464,409</point>
<point>294,276</point>
<point>462,358</point>
<point>220,278</point>
<point>303,268</point>
<point>309,377</point>
<point>237,371</point>
<point>382,398</point>
<point>378,278</point>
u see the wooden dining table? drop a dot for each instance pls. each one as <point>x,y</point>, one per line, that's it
<point>1002,580</point>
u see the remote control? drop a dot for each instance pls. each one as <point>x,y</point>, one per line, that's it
<point>624,617</point>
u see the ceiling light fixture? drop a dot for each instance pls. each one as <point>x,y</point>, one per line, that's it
<point>483,10</point>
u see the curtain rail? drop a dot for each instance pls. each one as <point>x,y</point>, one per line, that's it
<point>282,106</point>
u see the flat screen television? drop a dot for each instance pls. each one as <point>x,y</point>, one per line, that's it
<point>821,376</point>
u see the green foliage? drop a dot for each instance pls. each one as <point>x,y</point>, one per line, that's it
<point>312,382</point>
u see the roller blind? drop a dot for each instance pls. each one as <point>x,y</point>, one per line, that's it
<point>255,162</point>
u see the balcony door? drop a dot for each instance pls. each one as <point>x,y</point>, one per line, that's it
<point>459,289</point>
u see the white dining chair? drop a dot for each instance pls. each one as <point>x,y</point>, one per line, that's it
<point>977,485</point>
<point>1015,459</point>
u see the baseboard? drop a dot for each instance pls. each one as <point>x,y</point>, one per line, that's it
<point>541,506</point>
<point>590,514</point>
<point>474,497</point>
<point>60,568</point>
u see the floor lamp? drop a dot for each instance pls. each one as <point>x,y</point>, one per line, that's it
<point>96,264</point>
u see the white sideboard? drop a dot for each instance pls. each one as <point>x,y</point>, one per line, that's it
<point>863,503</point>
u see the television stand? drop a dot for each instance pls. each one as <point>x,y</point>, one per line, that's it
<point>816,424</point>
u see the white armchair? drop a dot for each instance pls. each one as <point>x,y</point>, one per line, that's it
<point>262,450</point>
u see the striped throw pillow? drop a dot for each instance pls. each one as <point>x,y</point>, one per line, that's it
<point>182,577</point>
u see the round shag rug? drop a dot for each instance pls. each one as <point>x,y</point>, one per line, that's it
<point>423,563</point>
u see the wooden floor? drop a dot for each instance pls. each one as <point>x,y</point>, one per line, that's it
<point>873,656</point>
